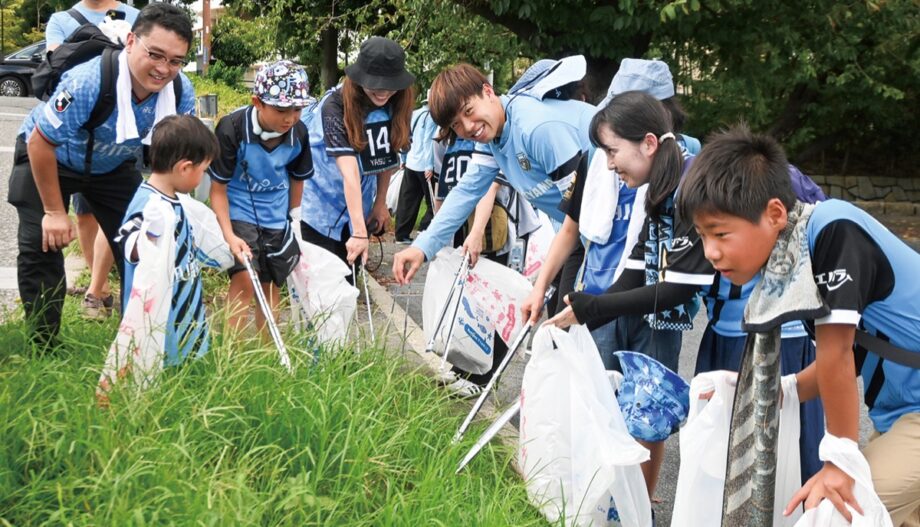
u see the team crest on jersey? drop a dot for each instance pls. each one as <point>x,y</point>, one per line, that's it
<point>523,161</point>
<point>62,101</point>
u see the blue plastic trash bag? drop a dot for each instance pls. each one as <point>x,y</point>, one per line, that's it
<point>654,400</point>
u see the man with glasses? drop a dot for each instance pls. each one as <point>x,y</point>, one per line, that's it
<point>97,298</point>
<point>51,160</point>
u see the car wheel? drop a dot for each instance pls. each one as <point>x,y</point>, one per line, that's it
<point>13,87</point>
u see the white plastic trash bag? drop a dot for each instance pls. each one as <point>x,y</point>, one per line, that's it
<point>845,454</point>
<point>577,456</point>
<point>209,240</point>
<point>704,452</point>
<point>393,191</point>
<point>491,303</point>
<point>320,293</point>
<point>138,350</point>
<point>538,247</point>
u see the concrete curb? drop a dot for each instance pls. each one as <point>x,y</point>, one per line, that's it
<point>429,362</point>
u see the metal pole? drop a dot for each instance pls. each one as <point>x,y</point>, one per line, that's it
<point>267,312</point>
<point>498,371</point>
<point>489,434</point>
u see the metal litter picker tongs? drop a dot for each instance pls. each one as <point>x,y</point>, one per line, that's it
<point>522,336</point>
<point>267,312</point>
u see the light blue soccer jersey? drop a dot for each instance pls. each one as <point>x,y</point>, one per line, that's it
<point>258,179</point>
<point>868,278</point>
<point>60,120</point>
<point>424,130</point>
<point>323,205</point>
<point>539,148</point>
<point>61,24</point>
<point>187,328</point>
<point>601,260</point>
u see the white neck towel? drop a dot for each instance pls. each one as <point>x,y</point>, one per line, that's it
<point>126,125</point>
<point>599,200</point>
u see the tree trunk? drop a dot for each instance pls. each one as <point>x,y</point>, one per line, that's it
<point>329,65</point>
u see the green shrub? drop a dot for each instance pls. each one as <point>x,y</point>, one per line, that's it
<point>228,98</point>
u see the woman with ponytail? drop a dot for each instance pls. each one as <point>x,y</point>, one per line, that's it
<point>357,130</point>
<point>635,131</point>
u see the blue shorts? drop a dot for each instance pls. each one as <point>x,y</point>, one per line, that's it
<point>718,352</point>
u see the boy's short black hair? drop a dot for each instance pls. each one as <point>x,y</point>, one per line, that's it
<point>166,16</point>
<point>181,137</point>
<point>736,173</point>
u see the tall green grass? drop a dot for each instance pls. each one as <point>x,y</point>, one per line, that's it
<point>232,439</point>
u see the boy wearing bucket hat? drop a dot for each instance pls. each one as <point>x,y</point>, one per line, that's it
<point>264,159</point>
<point>356,131</point>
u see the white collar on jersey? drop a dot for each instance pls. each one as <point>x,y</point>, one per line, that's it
<point>256,129</point>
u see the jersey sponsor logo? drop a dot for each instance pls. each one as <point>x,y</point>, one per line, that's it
<point>523,161</point>
<point>681,244</point>
<point>62,101</point>
<point>833,280</point>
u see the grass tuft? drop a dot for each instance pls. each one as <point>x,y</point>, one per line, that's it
<point>232,439</point>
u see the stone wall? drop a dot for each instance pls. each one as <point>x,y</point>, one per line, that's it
<point>866,188</point>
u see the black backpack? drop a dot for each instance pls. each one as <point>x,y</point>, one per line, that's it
<point>84,44</point>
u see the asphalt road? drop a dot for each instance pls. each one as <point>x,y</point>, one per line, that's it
<point>12,112</point>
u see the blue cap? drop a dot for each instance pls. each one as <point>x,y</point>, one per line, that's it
<point>654,400</point>
<point>537,69</point>
<point>650,76</point>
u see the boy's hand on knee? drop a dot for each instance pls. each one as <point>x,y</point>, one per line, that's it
<point>829,483</point>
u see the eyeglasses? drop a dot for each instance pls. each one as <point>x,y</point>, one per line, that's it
<point>160,59</point>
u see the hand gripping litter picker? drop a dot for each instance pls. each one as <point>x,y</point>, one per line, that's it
<point>455,296</point>
<point>267,311</point>
<point>367,300</point>
<point>522,336</point>
<point>489,434</point>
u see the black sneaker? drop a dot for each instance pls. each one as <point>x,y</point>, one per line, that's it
<point>404,241</point>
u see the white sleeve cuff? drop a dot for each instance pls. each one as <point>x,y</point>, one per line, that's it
<point>688,278</point>
<point>840,316</point>
<point>635,264</point>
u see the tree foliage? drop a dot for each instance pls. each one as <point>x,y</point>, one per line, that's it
<point>239,42</point>
<point>837,82</point>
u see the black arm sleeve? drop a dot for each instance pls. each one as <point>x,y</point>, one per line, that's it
<point>600,309</point>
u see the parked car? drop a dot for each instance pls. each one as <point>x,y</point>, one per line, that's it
<point>17,68</point>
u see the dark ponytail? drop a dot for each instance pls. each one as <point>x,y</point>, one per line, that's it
<point>631,115</point>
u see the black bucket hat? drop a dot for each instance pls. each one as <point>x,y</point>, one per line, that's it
<point>381,65</point>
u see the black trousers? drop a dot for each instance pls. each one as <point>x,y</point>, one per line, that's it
<point>40,274</point>
<point>414,188</point>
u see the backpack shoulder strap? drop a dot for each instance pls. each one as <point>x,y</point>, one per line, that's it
<point>105,103</point>
<point>78,16</point>
<point>177,90</point>
<point>887,350</point>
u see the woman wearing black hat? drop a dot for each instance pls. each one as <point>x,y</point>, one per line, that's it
<point>357,130</point>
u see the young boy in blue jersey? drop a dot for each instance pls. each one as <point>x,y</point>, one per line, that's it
<point>51,161</point>
<point>264,160</point>
<point>836,265</point>
<point>537,142</point>
<point>180,151</point>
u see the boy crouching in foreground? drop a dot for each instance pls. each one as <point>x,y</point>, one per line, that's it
<point>182,147</point>
<point>863,279</point>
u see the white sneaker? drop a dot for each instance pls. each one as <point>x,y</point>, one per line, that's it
<point>464,389</point>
